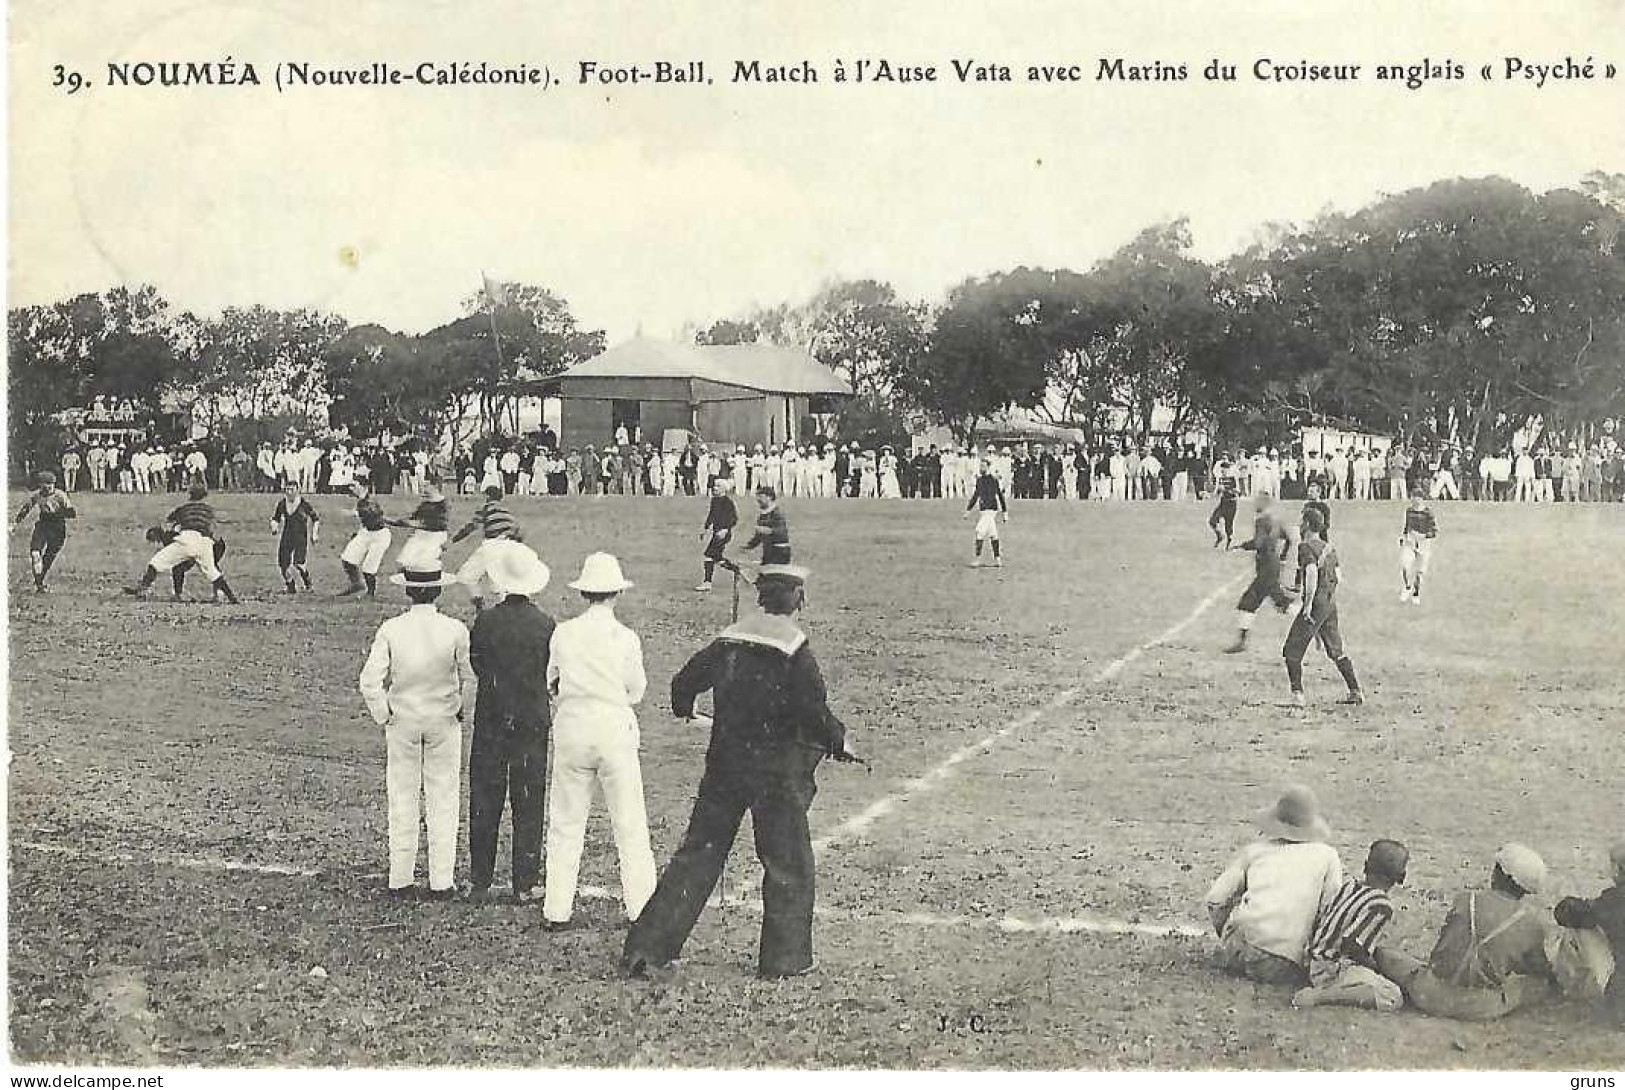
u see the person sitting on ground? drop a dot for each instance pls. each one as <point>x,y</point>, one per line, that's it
<point>1343,947</point>
<point>1490,957</point>
<point>1264,905</point>
<point>1605,913</point>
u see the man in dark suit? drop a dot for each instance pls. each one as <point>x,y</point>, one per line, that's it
<point>507,759</point>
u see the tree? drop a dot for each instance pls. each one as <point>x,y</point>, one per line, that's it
<point>984,357</point>
<point>385,381</point>
<point>728,331</point>
<point>121,344</point>
<point>255,362</point>
<point>537,337</point>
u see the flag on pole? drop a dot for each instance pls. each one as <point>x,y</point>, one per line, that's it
<point>496,293</point>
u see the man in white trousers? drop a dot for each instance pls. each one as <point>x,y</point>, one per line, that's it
<point>416,682</point>
<point>595,670</point>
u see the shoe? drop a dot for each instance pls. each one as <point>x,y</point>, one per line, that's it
<point>1416,599</point>
<point>763,974</point>
<point>1356,697</point>
<point>998,561</point>
<point>347,591</point>
<point>703,587</point>
<point>528,897</point>
<point>134,592</point>
<point>1405,595</point>
<point>1236,648</point>
<point>1298,700</point>
<point>1304,998</point>
<point>402,893</point>
<point>556,927</point>
<point>639,967</point>
<point>977,563</point>
<point>447,894</point>
<point>479,895</point>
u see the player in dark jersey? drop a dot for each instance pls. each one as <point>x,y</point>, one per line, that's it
<point>1416,548</point>
<point>297,526</point>
<point>1317,615</point>
<point>1224,511</point>
<point>1269,544</point>
<point>363,555</point>
<point>50,527</point>
<point>720,519</point>
<point>430,523</point>
<point>1314,502</point>
<point>772,531</point>
<point>987,497</point>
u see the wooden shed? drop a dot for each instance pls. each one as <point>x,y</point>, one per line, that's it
<point>736,393</point>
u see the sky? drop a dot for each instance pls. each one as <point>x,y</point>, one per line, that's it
<point>650,207</point>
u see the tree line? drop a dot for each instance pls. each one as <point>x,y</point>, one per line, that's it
<point>255,372</point>
<point>1455,313</point>
<point>1459,313</point>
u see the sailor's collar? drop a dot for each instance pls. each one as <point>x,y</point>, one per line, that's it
<point>767,630</point>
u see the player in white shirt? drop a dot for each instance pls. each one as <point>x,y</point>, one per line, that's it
<point>595,670</point>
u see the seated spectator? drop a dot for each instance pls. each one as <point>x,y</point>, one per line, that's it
<point>1490,957</point>
<point>1343,947</point>
<point>1264,905</point>
<point>1605,913</point>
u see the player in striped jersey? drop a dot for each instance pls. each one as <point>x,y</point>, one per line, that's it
<point>1416,548</point>
<point>193,524</point>
<point>1343,945</point>
<point>496,525</point>
<point>159,535</point>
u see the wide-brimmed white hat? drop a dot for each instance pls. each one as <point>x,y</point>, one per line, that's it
<point>1295,817</point>
<point>423,577</point>
<point>514,568</point>
<point>601,574</point>
<point>1523,865</point>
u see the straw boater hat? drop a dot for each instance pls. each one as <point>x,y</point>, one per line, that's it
<point>516,569</point>
<point>422,576</point>
<point>601,574</point>
<point>1295,817</point>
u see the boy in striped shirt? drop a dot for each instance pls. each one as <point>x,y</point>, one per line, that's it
<point>1416,548</point>
<point>1343,945</point>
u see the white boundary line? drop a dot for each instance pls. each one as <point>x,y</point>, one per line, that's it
<point>852,827</point>
<point>859,822</point>
<point>1044,925</point>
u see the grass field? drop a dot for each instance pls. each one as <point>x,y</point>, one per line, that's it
<point>1060,753</point>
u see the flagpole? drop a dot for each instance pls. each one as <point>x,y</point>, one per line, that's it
<point>491,313</point>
